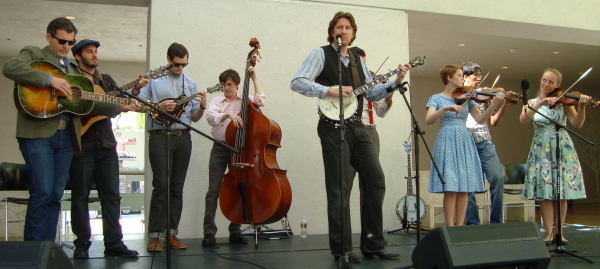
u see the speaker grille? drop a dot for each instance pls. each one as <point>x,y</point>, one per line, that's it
<point>21,253</point>
<point>478,234</point>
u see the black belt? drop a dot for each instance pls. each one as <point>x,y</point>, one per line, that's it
<point>352,119</point>
<point>172,132</point>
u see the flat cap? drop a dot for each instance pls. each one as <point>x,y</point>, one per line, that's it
<point>84,43</point>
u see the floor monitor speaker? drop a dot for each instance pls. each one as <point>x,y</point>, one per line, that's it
<point>482,246</point>
<point>33,254</point>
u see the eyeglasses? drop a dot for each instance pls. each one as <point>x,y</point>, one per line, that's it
<point>178,64</point>
<point>62,41</point>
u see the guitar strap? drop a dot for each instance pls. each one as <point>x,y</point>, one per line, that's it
<point>357,84</point>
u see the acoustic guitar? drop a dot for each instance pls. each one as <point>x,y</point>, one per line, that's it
<point>111,96</point>
<point>46,102</point>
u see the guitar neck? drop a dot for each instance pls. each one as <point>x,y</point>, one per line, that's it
<point>104,98</point>
<point>360,90</point>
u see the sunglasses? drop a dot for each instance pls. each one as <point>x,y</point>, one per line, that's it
<point>62,41</point>
<point>178,64</point>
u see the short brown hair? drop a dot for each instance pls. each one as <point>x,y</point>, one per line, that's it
<point>333,22</point>
<point>230,74</point>
<point>448,71</point>
<point>61,23</point>
<point>177,50</point>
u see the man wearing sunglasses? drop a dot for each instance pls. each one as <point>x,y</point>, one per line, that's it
<point>162,91</point>
<point>48,144</point>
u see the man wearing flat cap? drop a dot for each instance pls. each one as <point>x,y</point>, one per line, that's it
<point>98,164</point>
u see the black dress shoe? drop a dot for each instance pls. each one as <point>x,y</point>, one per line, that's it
<point>209,240</point>
<point>384,255</point>
<point>351,256</point>
<point>82,250</point>
<point>120,250</point>
<point>237,238</point>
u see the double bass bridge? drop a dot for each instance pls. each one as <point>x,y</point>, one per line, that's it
<point>242,165</point>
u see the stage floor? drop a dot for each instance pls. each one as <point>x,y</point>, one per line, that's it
<point>312,252</point>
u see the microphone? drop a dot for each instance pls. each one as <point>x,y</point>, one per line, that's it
<point>525,89</point>
<point>339,40</point>
<point>397,86</point>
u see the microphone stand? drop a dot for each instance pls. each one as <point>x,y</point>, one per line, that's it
<point>344,261</point>
<point>418,132</point>
<point>558,235</point>
<point>173,120</point>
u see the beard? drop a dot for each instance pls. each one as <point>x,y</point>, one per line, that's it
<point>89,63</point>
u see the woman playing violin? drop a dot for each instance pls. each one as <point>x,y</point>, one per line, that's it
<point>541,174</point>
<point>455,150</point>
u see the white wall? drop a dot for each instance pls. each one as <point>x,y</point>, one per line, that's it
<point>217,36</point>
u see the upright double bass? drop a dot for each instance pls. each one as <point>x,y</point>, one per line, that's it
<point>254,190</point>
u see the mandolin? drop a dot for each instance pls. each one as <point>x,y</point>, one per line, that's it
<point>181,103</point>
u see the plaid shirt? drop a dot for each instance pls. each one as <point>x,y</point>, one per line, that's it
<point>480,132</point>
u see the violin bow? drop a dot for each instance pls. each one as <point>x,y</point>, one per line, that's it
<point>496,80</point>
<point>382,64</point>
<point>486,75</point>
<point>582,76</point>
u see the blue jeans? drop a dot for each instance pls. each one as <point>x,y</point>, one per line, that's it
<point>492,169</point>
<point>99,166</point>
<point>48,161</point>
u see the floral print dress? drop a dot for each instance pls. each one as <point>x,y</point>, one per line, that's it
<point>541,163</point>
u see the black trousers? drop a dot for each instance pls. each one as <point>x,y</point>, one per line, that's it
<point>220,158</point>
<point>361,153</point>
<point>99,166</point>
<point>179,154</point>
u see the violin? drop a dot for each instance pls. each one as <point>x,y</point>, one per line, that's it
<point>483,95</point>
<point>570,99</point>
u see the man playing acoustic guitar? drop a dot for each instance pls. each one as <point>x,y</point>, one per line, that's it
<point>98,164</point>
<point>48,143</point>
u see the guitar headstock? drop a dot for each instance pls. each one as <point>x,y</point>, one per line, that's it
<point>407,146</point>
<point>217,88</point>
<point>158,72</point>
<point>417,61</point>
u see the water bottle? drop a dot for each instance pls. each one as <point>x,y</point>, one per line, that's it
<point>304,227</point>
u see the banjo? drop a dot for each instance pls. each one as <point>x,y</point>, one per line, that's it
<point>329,106</point>
<point>406,209</point>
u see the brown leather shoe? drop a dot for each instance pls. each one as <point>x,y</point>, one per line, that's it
<point>175,243</point>
<point>154,245</point>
